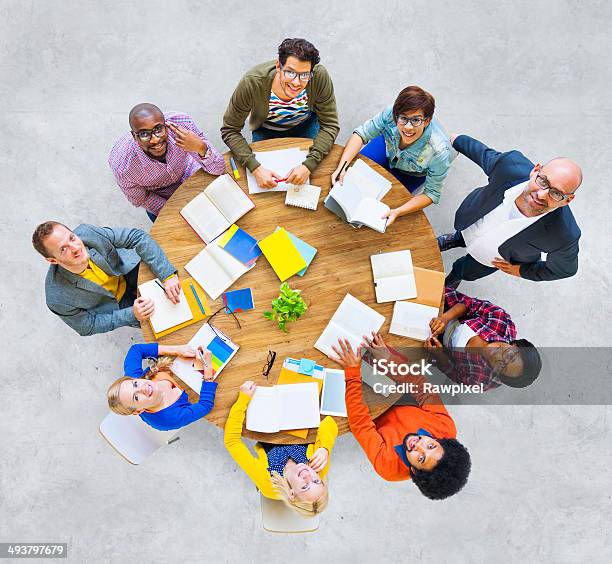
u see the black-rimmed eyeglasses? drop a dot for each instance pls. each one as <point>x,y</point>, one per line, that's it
<point>216,331</point>
<point>555,194</point>
<point>291,74</point>
<point>269,363</point>
<point>414,121</point>
<point>145,134</point>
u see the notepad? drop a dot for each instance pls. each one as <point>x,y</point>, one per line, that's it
<point>282,254</point>
<point>214,210</point>
<point>281,162</point>
<point>393,276</point>
<point>307,251</point>
<point>238,300</point>
<point>352,320</point>
<point>283,407</point>
<point>220,345</point>
<point>242,246</point>
<point>334,389</point>
<point>412,320</point>
<point>215,270</point>
<point>303,196</point>
<point>166,313</point>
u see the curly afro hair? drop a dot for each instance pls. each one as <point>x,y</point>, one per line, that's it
<point>449,475</point>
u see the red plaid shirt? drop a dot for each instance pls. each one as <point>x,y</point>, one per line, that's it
<point>490,323</point>
<point>149,183</point>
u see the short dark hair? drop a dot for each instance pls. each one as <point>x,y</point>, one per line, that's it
<point>300,49</point>
<point>532,364</point>
<point>413,98</point>
<point>41,233</point>
<point>449,475</point>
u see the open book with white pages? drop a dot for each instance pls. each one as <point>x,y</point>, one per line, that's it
<point>352,320</point>
<point>284,407</point>
<point>166,313</point>
<point>393,276</point>
<point>213,211</point>
<point>215,269</point>
<point>281,162</point>
<point>358,197</point>
<point>412,320</point>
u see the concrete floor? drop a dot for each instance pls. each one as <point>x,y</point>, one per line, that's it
<point>521,74</point>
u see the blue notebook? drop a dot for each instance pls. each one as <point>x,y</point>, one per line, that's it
<point>238,243</point>
<point>307,251</point>
<point>238,300</point>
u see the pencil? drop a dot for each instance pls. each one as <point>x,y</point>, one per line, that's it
<point>195,295</point>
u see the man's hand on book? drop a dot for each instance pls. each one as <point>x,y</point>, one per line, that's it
<point>298,175</point>
<point>345,356</point>
<point>143,308</point>
<point>172,286</point>
<point>266,178</point>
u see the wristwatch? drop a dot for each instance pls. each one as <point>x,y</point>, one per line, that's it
<point>206,154</point>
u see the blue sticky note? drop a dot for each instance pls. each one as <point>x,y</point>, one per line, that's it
<point>306,367</point>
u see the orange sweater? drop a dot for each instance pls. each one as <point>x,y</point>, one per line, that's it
<point>378,437</point>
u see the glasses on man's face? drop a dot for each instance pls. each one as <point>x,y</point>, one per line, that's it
<point>145,134</point>
<point>414,121</point>
<point>290,75</point>
<point>555,194</point>
<point>269,363</point>
<point>216,331</point>
<point>507,357</point>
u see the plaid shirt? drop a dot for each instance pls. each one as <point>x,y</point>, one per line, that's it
<point>490,323</point>
<point>149,183</point>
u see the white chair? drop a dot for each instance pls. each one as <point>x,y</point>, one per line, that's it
<point>132,438</point>
<point>278,518</point>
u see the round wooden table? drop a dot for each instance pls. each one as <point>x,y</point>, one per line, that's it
<point>341,265</point>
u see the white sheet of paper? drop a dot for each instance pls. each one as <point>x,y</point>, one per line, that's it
<point>263,413</point>
<point>412,320</point>
<point>393,276</point>
<point>166,313</point>
<point>281,162</point>
<point>299,406</point>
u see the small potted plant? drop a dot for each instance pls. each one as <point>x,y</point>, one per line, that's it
<point>289,306</point>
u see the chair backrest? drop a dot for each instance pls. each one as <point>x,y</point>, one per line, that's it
<point>278,518</point>
<point>132,438</point>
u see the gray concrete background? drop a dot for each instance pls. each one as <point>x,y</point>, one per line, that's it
<point>522,74</point>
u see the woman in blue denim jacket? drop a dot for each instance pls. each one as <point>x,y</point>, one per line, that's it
<point>409,143</point>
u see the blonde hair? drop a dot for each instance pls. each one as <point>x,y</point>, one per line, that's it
<point>304,508</point>
<point>156,365</point>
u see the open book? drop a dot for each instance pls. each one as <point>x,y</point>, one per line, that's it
<point>358,198</point>
<point>214,210</point>
<point>352,320</point>
<point>284,407</point>
<point>215,269</point>
<point>412,320</point>
<point>281,162</point>
<point>222,348</point>
<point>393,276</point>
<point>166,313</point>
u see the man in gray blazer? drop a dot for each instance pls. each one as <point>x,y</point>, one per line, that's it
<point>91,283</point>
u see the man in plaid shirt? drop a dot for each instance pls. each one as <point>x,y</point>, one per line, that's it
<point>161,151</point>
<point>479,344</point>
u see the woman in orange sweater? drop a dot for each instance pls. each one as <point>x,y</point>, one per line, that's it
<point>406,441</point>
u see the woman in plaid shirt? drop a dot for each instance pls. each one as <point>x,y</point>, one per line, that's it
<point>479,346</point>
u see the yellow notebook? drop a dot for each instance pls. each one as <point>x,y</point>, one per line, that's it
<point>193,306</point>
<point>282,254</point>
<point>289,377</point>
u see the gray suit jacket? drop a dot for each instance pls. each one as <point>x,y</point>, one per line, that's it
<point>89,308</point>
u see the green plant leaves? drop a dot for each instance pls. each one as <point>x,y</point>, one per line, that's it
<point>289,306</point>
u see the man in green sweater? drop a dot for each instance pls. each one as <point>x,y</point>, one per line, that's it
<point>290,97</point>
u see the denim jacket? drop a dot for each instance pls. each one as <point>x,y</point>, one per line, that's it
<point>429,156</point>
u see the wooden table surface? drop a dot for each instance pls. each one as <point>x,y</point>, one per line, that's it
<point>341,265</point>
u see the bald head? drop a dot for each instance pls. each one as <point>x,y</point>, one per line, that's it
<point>144,112</point>
<point>564,172</point>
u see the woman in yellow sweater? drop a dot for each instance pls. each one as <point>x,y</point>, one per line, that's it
<point>293,473</point>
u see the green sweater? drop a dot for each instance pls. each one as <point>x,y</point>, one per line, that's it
<point>252,95</point>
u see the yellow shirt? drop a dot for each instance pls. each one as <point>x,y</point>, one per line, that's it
<point>256,467</point>
<point>114,284</point>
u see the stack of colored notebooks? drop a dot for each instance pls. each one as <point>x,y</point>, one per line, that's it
<point>286,253</point>
<point>238,243</point>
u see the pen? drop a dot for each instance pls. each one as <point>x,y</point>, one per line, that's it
<point>202,358</point>
<point>159,284</point>
<point>341,169</point>
<point>195,295</point>
<point>234,168</point>
<point>279,180</point>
